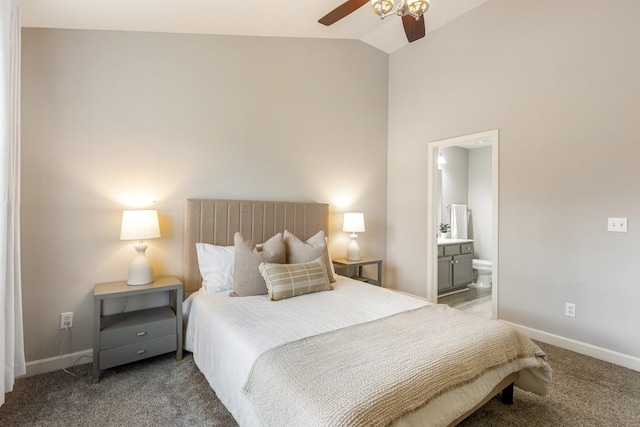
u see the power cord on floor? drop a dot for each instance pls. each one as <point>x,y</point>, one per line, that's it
<point>64,339</point>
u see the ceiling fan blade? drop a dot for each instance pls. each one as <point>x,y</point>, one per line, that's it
<point>341,11</point>
<point>413,28</point>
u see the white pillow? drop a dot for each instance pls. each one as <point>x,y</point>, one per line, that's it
<point>216,267</point>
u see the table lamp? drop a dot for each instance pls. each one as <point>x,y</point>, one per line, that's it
<point>353,222</point>
<point>139,225</point>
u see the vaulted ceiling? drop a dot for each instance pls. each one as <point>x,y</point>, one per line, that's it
<point>268,18</point>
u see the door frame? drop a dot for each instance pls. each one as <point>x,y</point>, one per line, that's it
<point>432,216</point>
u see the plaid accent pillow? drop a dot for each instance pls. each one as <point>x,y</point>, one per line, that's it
<point>290,280</point>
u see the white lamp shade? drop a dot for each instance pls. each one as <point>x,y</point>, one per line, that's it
<point>139,225</point>
<point>353,222</point>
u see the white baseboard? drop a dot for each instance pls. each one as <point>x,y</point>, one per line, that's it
<point>610,356</point>
<point>65,361</point>
<point>80,357</point>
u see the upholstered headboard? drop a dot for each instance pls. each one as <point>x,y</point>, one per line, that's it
<point>216,221</point>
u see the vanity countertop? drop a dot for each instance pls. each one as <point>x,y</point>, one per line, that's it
<point>453,241</point>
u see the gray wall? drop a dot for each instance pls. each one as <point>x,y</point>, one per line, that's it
<point>559,79</point>
<point>114,119</point>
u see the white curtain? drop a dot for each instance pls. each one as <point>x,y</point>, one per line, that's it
<point>12,362</point>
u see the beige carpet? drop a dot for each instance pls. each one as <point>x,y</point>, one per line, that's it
<point>586,392</point>
<point>164,392</point>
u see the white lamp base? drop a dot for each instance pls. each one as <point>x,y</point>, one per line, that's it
<point>140,272</point>
<point>353,250</point>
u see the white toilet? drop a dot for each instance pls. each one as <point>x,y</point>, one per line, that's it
<point>483,269</point>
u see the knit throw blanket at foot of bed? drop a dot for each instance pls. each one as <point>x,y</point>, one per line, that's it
<point>372,374</point>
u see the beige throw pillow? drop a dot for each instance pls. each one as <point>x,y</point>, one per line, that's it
<point>247,279</point>
<point>290,280</point>
<point>315,247</point>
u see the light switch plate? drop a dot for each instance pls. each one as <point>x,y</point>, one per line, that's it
<point>617,224</point>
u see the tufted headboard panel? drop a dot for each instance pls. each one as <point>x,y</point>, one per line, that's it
<point>216,221</point>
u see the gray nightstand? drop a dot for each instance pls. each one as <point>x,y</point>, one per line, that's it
<point>342,263</point>
<point>135,335</point>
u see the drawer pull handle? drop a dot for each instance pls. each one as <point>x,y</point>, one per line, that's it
<point>140,352</point>
<point>141,334</point>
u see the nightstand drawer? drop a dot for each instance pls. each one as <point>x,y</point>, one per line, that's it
<point>137,351</point>
<point>136,326</point>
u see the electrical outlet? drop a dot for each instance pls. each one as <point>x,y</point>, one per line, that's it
<point>66,320</point>
<point>617,224</point>
<point>570,309</point>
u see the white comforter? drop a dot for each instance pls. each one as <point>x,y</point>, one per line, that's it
<point>227,334</point>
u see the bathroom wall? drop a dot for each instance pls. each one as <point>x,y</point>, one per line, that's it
<point>466,179</point>
<point>454,179</point>
<point>481,201</point>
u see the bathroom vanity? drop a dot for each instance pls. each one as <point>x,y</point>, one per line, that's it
<point>455,259</point>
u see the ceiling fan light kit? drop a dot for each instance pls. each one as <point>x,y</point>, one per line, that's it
<point>384,8</point>
<point>411,11</point>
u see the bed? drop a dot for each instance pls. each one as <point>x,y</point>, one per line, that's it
<point>355,354</point>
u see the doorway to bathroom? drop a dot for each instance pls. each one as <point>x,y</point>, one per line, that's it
<point>462,232</point>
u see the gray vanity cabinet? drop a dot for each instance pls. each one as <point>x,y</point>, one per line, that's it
<point>462,269</point>
<point>444,274</point>
<point>455,269</point>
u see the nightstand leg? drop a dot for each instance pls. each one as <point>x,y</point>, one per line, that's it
<point>178,311</point>
<point>96,340</point>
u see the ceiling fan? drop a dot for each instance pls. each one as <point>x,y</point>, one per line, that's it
<point>411,11</point>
